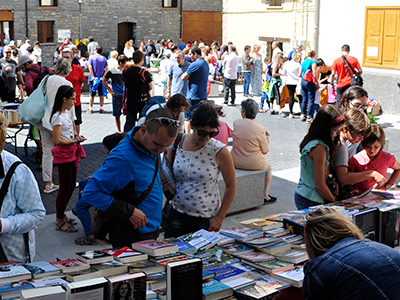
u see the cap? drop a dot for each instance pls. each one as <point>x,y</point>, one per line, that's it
<point>201,45</point>
<point>23,60</point>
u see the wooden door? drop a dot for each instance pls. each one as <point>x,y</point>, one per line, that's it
<point>202,24</point>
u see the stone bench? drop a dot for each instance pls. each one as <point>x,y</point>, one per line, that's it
<point>249,190</point>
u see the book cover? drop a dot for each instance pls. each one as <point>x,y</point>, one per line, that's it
<point>295,276</point>
<point>110,268</point>
<point>50,282</point>
<point>273,266</point>
<point>149,267</point>
<point>154,247</point>
<point>93,256</point>
<point>12,272</point>
<point>273,249</point>
<point>242,233</point>
<point>165,262</point>
<point>82,275</point>
<point>45,293</point>
<point>96,288</point>
<point>222,256</point>
<point>261,224</point>
<point>256,256</point>
<point>184,280</point>
<point>263,241</point>
<point>213,238</point>
<point>277,232</point>
<point>70,265</point>
<point>368,221</point>
<point>167,257</point>
<point>213,289</point>
<point>41,269</point>
<point>272,284</point>
<point>128,286</point>
<point>13,289</point>
<point>389,222</point>
<point>184,247</point>
<point>293,256</point>
<point>227,272</point>
<point>236,248</point>
<point>239,282</point>
<point>254,291</point>
<point>157,281</point>
<point>125,254</point>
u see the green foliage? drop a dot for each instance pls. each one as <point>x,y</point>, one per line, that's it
<point>157,64</point>
<point>372,118</point>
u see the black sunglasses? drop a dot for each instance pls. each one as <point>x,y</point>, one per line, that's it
<point>203,133</point>
<point>7,52</point>
<point>166,122</point>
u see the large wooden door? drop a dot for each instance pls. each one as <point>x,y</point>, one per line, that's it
<point>126,32</point>
<point>382,37</point>
<point>206,25</point>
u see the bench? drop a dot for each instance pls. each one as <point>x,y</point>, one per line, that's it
<point>249,190</point>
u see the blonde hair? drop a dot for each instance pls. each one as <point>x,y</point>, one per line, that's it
<point>129,44</point>
<point>296,56</point>
<point>208,59</point>
<point>254,47</point>
<point>114,54</point>
<point>325,226</point>
<point>3,131</point>
<point>311,53</point>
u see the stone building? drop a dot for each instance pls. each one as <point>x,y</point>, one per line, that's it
<point>111,23</point>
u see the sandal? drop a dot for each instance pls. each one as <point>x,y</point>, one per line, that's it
<point>71,221</point>
<point>69,229</point>
<point>50,188</point>
<point>85,240</point>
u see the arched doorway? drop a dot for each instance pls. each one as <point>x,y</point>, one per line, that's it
<point>126,31</point>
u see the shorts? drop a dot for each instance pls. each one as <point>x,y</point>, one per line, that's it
<point>189,113</point>
<point>164,85</point>
<point>78,114</point>
<point>117,105</point>
<point>101,91</point>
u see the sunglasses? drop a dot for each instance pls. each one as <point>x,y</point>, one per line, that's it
<point>166,122</point>
<point>359,106</point>
<point>203,133</point>
<point>7,51</point>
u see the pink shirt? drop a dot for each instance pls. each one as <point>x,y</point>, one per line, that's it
<point>361,162</point>
<point>224,133</point>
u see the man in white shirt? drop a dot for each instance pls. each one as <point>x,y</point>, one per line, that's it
<point>275,49</point>
<point>24,47</point>
<point>231,63</point>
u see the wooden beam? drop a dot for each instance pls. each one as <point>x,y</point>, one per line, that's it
<point>271,39</point>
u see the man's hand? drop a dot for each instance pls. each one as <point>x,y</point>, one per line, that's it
<point>165,184</point>
<point>8,69</point>
<point>215,224</point>
<point>138,218</point>
<point>379,178</point>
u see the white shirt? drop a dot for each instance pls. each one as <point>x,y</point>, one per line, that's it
<point>275,52</point>
<point>23,49</point>
<point>164,68</point>
<point>38,54</point>
<point>231,66</point>
<point>67,128</point>
<point>291,70</point>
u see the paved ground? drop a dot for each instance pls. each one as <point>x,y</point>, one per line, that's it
<point>286,135</point>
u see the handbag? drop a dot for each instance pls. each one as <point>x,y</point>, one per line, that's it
<point>103,221</point>
<point>308,75</point>
<point>33,108</point>
<point>356,78</point>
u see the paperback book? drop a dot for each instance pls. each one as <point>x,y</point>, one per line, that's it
<point>293,256</point>
<point>45,293</point>
<point>13,289</point>
<point>94,256</point>
<point>42,268</point>
<point>241,233</point>
<point>236,248</point>
<point>12,272</point>
<point>166,257</point>
<point>125,254</point>
<point>154,247</point>
<point>256,256</point>
<point>277,232</point>
<point>295,276</point>
<point>70,265</point>
<point>96,288</point>
<point>149,267</point>
<point>271,266</point>
<point>227,273</point>
<point>275,248</point>
<point>261,224</point>
<point>213,289</point>
<point>128,286</point>
<point>110,268</point>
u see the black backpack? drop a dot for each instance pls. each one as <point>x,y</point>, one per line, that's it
<point>41,75</point>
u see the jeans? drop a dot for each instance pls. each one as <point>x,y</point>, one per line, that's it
<point>302,203</point>
<point>264,97</point>
<point>246,82</point>
<point>229,84</point>
<point>177,224</point>
<point>339,92</point>
<point>308,90</point>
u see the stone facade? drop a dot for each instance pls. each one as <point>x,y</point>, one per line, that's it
<point>100,19</point>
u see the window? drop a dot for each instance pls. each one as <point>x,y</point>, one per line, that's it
<point>170,3</point>
<point>276,3</point>
<point>45,31</point>
<point>48,2</point>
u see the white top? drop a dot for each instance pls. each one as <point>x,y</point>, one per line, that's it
<point>164,67</point>
<point>53,83</point>
<point>38,54</point>
<point>231,65</point>
<point>291,70</point>
<point>67,128</point>
<point>129,52</point>
<point>211,72</point>
<point>275,52</point>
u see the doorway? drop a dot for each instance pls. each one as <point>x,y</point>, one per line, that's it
<point>126,32</point>
<point>6,26</point>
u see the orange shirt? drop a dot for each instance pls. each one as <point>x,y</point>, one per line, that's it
<point>343,77</point>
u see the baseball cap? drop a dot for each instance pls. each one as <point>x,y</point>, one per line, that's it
<point>23,60</point>
<point>201,45</point>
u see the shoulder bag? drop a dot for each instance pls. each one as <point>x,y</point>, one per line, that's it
<point>356,78</point>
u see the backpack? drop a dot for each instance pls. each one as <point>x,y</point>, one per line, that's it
<point>156,100</point>
<point>268,73</point>
<point>41,74</point>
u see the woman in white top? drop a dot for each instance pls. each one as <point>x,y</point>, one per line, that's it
<point>291,69</point>
<point>129,50</point>
<point>37,52</point>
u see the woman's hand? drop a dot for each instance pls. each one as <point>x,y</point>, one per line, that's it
<point>379,178</point>
<point>215,224</point>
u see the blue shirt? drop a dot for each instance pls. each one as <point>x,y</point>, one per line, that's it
<point>178,86</point>
<point>98,63</point>
<point>126,162</point>
<point>353,269</point>
<point>181,45</point>
<point>198,72</point>
<point>116,80</point>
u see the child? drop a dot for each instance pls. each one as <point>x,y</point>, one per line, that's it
<point>211,73</point>
<point>265,87</point>
<point>317,150</point>
<point>66,153</point>
<point>373,158</point>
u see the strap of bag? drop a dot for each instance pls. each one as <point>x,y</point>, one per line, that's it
<point>3,193</point>
<point>347,64</point>
<point>147,192</point>
<point>176,143</point>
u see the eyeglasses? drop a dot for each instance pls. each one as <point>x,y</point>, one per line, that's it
<point>359,106</point>
<point>166,122</point>
<point>203,133</point>
<point>7,52</point>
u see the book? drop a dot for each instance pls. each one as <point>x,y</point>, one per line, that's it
<point>277,232</point>
<point>96,288</point>
<point>271,266</point>
<point>166,257</point>
<point>13,289</point>
<point>128,286</point>
<point>213,289</point>
<point>50,282</point>
<point>50,277</point>
<point>389,225</point>
<point>184,279</point>
<point>110,268</point>
<point>261,224</point>
<point>227,273</point>
<point>275,248</point>
<point>272,284</point>
<point>296,216</point>
<point>391,193</point>
<point>41,269</point>
<point>149,267</point>
<point>263,241</point>
<point>157,281</point>
<point>236,248</point>
<point>254,291</point>
<point>202,239</point>
<point>93,256</point>
<point>291,238</point>
<point>125,254</point>
<point>70,265</point>
<point>241,233</point>
<point>293,256</point>
<point>295,276</point>
<point>368,221</point>
<point>45,293</point>
<point>256,256</point>
<point>82,275</point>
<point>154,247</point>
<point>294,227</point>
<point>184,247</point>
<point>165,262</point>
<point>12,272</point>
<point>239,282</point>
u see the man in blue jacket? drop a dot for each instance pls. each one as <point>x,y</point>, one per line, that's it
<point>127,173</point>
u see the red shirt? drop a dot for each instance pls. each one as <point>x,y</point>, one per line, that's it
<point>360,162</point>
<point>76,77</point>
<point>224,133</point>
<point>343,77</point>
<point>33,79</point>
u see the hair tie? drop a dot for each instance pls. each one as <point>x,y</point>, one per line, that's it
<point>338,119</point>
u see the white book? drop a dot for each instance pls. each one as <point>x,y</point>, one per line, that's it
<point>90,289</point>
<point>44,293</point>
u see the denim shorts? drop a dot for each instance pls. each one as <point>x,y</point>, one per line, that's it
<point>117,105</point>
<point>194,104</point>
<point>302,203</point>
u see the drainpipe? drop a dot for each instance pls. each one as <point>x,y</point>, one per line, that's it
<point>26,19</point>
<point>80,18</point>
<point>316,25</point>
<point>181,18</point>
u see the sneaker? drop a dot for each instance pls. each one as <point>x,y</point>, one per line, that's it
<point>260,110</point>
<point>268,111</point>
<point>303,118</point>
<point>282,114</point>
<point>291,116</point>
<point>309,120</point>
<point>273,112</point>
<point>89,111</point>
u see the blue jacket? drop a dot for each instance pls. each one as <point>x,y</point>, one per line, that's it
<point>354,269</point>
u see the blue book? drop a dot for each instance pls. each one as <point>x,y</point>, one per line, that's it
<point>226,273</point>
<point>41,269</point>
<point>9,290</point>
<point>213,289</point>
<point>185,247</point>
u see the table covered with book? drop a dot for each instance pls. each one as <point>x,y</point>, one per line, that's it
<point>261,258</point>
